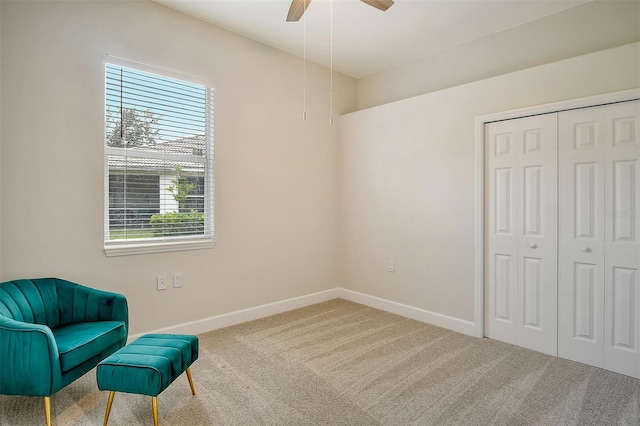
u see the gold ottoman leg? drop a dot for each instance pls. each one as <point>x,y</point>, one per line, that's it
<point>193,389</point>
<point>47,410</point>
<point>109,403</point>
<point>154,407</point>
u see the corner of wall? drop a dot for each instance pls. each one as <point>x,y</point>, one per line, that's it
<point>409,181</point>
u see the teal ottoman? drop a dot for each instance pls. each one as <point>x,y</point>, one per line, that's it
<point>147,366</point>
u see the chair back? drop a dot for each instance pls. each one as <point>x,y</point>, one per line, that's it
<point>33,301</point>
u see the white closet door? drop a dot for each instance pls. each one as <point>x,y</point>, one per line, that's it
<point>599,294</point>
<point>522,232</point>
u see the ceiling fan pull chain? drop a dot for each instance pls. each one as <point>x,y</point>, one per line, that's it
<point>304,66</point>
<point>331,69</point>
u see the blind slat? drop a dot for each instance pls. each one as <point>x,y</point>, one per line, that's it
<point>155,104</point>
<point>115,102</point>
<point>132,77</point>
<point>162,91</point>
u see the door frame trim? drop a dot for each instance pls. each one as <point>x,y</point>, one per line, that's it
<point>479,191</point>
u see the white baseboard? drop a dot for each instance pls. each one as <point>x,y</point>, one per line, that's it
<point>407,311</point>
<point>237,317</point>
<point>243,315</point>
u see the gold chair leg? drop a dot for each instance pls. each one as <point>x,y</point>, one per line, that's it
<point>47,410</point>
<point>154,407</point>
<point>109,403</point>
<point>193,389</point>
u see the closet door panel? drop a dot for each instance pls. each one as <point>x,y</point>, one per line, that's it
<point>581,156</point>
<point>502,268</point>
<point>622,237</point>
<point>532,287</point>
<point>584,190</point>
<point>599,254</point>
<point>522,232</point>
<point>584,302</point>
<point>537,242</point>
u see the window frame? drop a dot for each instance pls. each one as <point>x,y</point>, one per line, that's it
<point>166,244</point>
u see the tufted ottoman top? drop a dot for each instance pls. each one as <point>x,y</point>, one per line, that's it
<point>148,365</point>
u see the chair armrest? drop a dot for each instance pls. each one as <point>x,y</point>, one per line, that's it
<point>78,303</point>
<point>109,306</point>
<point>29,359</point>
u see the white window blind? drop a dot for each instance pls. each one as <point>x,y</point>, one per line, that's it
<point>158,162</point>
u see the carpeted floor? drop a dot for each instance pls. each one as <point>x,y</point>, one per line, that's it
<point>340,363</point>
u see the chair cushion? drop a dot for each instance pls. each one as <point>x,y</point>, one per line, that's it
<point>79,342</point>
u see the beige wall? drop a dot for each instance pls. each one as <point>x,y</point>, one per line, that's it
<point>587,28</point>
<point>407,178</point>
<point>0,139</point>
<point>276,175</point>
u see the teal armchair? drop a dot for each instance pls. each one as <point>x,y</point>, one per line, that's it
<point>52,332</point>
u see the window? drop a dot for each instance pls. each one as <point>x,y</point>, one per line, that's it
<point>158,163</point>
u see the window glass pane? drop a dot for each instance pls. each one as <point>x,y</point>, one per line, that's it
<point>133,199</point>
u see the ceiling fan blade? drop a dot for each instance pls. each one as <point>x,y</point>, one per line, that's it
<point>296,10</point>
<point>379,4</point>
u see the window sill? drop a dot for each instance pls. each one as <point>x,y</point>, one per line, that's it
<point>128,249</point>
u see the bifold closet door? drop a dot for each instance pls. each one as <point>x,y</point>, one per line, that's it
<point>521,207</point>
<point>599,233</point>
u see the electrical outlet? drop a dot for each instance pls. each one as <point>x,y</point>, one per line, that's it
<point>392,266</point>
<point>162,282</point>
<point>177,279</point>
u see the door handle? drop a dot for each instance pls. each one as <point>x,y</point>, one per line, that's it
<point>533,245</point>
<point>586,249</point>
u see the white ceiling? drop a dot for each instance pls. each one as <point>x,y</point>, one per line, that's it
<point>367,40</point>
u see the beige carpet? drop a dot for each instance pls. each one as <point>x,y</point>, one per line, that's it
<point>340,363</point>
